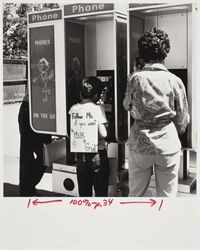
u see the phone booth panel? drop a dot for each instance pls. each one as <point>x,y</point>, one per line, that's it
<point>75,64</point>
<point>46,80</point>
<point>121,64</point>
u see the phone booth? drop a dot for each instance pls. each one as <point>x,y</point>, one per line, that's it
<point>96,45</point>
<point>65,45</point>
<point>47,91</point>
<point>179,21</point>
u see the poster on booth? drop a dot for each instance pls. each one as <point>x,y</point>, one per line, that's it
<point>42,78</point>
<point>83,132</point>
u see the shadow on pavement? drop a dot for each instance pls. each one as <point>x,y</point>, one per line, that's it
<point>10,190</point>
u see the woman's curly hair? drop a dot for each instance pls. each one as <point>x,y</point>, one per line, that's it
<point>154,45</point>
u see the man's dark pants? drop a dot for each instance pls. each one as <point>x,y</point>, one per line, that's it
<point>31,153</point>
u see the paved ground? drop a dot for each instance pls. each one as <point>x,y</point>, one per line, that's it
<point>10,148</point>
<point>11,142</point>
<point>11,155</point>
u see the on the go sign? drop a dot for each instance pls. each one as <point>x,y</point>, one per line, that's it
<point>75,9</point>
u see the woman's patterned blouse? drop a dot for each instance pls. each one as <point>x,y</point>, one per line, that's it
<point>157,101</point>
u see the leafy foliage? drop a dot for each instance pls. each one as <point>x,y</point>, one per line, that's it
<point>15,27</point>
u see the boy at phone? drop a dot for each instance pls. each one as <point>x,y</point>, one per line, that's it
<point>93,168</point>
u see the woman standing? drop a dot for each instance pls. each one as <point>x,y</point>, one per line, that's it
<point>157,101</point>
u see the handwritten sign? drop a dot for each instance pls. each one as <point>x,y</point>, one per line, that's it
<point>83,132</point>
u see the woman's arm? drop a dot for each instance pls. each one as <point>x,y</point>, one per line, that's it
<point>182,118</point>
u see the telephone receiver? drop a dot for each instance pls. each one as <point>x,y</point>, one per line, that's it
<point>105,86</point>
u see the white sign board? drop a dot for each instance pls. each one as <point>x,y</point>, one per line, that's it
<point>83,132</point>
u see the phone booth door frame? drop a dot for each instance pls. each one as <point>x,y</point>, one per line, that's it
<point>192,59</point>
<point>109,10</point>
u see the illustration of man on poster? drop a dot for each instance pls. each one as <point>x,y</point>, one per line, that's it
<point>46,76</point>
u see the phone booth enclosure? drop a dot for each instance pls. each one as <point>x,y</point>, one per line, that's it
<point>177,22</point>
<point>96,45</point>
<point>42,71</point>
<point>46,77</point>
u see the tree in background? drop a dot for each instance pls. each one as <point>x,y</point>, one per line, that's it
<point>15,27</point>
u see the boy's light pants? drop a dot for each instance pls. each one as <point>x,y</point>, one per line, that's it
<point>166,173</point>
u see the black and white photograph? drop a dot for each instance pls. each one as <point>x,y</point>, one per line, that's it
<point>100,112</point>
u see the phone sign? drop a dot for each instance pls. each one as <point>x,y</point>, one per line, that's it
<point>42,78</point>
<point>83,8</point>
<point>45,16</point>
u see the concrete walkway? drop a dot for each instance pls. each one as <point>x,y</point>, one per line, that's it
<point>11,144</point>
